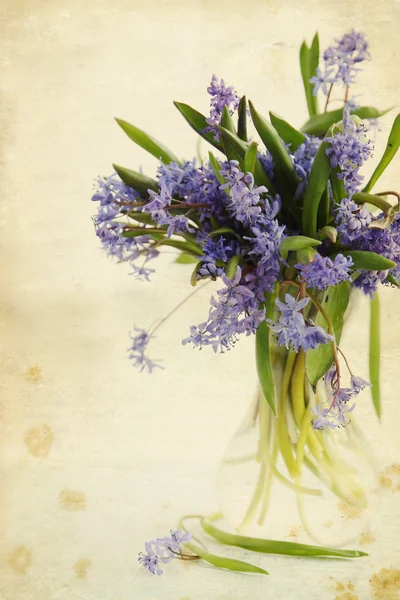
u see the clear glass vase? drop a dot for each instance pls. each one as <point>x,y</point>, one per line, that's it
<point>281,479</point>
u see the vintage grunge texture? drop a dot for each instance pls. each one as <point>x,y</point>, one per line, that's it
<point>95,459</point>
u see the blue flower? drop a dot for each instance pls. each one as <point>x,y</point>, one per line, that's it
<point>221,96</point>
<point>323,272</point>
<point>292,329</point>
<point>163,550</point>
<point>138,349</point>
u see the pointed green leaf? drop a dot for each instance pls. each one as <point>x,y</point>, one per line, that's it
<point>250,158</point>
<point>242,119</point>
<point>378,201</point>
<point>193,278</point>
<point>263,354</point>
<point>369,261</point>
<point>225,563</point>
<point>305,74</point>
<point>139,182</point>
<point>232,265</point>
<point>222,230</point>
<point>198,122</point>
<point>390,151</point>
<point>142,217</point>
<point>316,186</point>
<point>138,231</point>
<point>147,142</point>
<point>287,132</point>
<point>216,167</point>
<point>335,302</point>
<point>186,259</point>
<point>227,121</point>
<point>284,170</point>
<point>313,65</point>
<point>296,242</point>
<point>189,247</point>
<point>276,547</point>
<point>319,124</point>
<point>328,232</point>
<point>392,280</point>
<point>375,353</point>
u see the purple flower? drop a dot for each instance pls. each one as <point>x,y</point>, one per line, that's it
<point>292,329</point>
<point>323,272</point>
<point>221,96</point>
<point>233,312</point>
<point>340,62</point>
<point>348,151</point>
<point>163,550</point>
<point>138,349</point>
<point>358,384</point>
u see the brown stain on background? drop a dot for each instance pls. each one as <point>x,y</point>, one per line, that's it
<point>390,478</point>
<point>20,560</point>
<point>81,568</point>
<point>345,591</point>
<point>385,584</point>
<point>367,538</point>
<point>33,374</point>
<point>72,500</point>
<point>39,440</point>
<point>349,511</point>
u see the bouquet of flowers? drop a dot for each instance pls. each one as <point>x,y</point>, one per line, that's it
<point>288,224</point>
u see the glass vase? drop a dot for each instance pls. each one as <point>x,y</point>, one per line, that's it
<point>282,479</point>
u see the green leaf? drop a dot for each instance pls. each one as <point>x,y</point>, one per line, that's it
<point>335,302</point>
<point>216,167</point>
<point>313,65</point>
<point>142,217</point>
<point>189,247</point>
<point>147,142</point>
<point>392,280</point>
<point>232,266</point>
<point>222,230</point>
<point>284,170</point>
<point>250,158</point>
<point>136,232</point>
<point>375,353</point>
<point>263,354</point>
<point>305,73</point>
<point>139,182</point>
<point>193,278</point>
<point>329,232</point>
<point>287,132</point>
<point>378,201</point>
<point>186,259</point>
<point>276,547</point>
<point>242,119</point>
<point>390,150</point>
<point>226,120</point>
<point>198,122</point>
<point>225,563</point>
<point>316,186</point>
<point>369,261</point>
<point>319,124</point>
<point>296,242</point>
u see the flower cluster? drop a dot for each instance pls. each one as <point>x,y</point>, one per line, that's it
<point>262,217</point>
<point>340,62</point>
<point>114,198</point>
<point>221,95</point>
<point>292,328</point>
<point>338,400</point>
<point>138,348</point>
<point>322,272</point>
<point>163,550</point>
<point>348,151</point>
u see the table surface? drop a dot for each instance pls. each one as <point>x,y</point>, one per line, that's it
<point>96,458</point>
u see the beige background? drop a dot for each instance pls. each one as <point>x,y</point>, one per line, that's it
<point>94,457</point>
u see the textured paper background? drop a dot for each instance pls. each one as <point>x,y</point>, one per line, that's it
<point>94,458</point>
